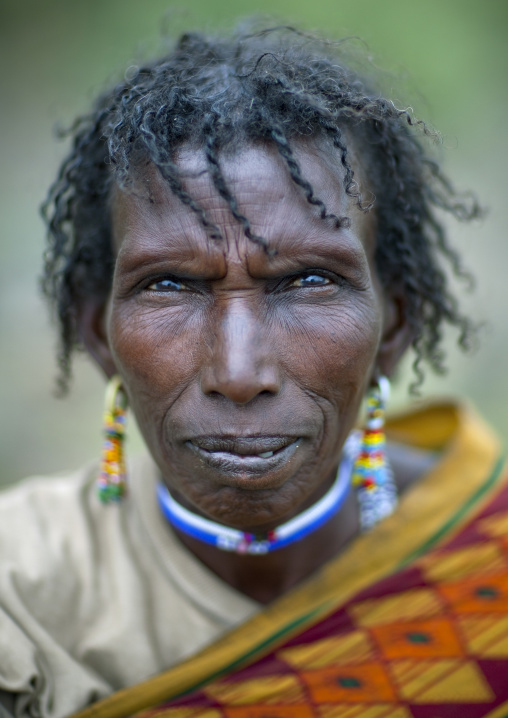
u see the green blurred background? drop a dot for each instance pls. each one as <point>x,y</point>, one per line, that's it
<point>55,56</point>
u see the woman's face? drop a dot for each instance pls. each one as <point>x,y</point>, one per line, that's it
<point>246,370</point>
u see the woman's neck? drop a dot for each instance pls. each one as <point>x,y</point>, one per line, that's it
<point>266,577</point>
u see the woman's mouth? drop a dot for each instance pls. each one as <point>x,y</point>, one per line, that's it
<point>244,456</point>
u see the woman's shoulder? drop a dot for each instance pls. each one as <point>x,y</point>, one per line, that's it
<point>38,514</point>
<point>49,536</point>
<point>39,507</point>
<point>442,438</point>
<point>54,528</point>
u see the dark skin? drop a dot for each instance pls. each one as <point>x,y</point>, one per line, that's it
<point>228,354</point>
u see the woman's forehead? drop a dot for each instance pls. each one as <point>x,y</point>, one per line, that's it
<point>260,183</point>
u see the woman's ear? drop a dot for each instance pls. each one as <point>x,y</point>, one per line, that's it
<point>397,332</point>
<point>92,330</point>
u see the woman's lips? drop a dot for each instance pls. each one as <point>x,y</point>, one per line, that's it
<point>244,456</point>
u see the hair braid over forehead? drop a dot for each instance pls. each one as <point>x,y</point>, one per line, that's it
<point>275,86</point>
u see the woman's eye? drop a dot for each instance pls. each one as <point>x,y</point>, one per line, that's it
<point>167,285</point>
<point>310,280</point>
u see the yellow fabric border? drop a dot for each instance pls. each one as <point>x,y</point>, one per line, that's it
<point>470,455</point>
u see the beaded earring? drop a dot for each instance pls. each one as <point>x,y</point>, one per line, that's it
<point>372,475</point>
<point>112,480</point>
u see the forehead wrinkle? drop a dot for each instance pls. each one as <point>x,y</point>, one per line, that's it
<point>322,171</point>
<point>261,198</point>
<point>304,225</point>
<point>199,185</point>
<point>142,230</point>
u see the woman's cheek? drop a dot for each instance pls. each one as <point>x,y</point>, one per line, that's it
<point>335,345</point>
<point>155,346</point>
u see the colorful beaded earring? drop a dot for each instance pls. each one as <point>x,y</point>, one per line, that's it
<point>111,483</point>
<point>372,475</point>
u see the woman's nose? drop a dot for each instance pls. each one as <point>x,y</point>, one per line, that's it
<point>242,364</point>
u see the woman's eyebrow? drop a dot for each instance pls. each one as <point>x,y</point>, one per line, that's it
<point>334,251</point>
<point>177,258</point>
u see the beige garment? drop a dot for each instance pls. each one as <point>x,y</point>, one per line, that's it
<point>94,598</point>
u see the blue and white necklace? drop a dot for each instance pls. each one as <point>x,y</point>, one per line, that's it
<point>241,542</point>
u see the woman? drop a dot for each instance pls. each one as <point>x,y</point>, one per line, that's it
<point>244,238</point>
